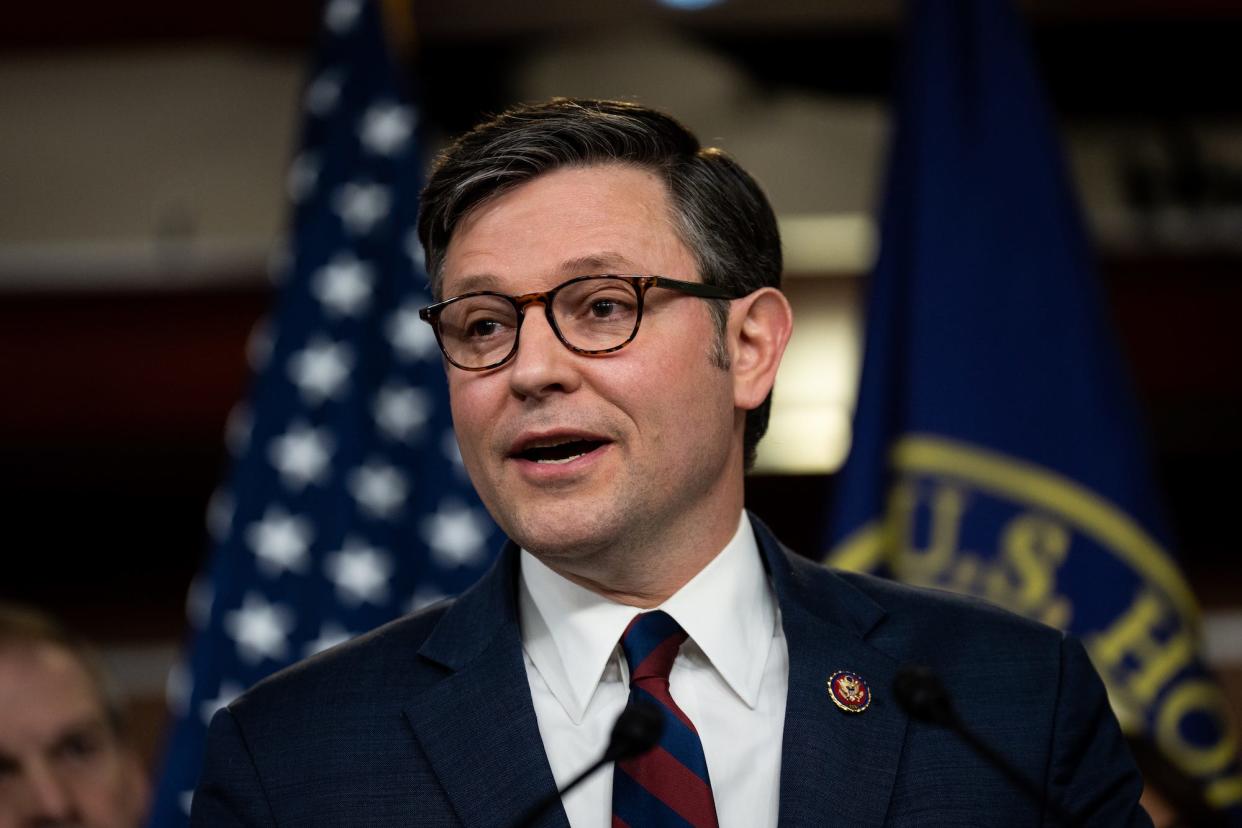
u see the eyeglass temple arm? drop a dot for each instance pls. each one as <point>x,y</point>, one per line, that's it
<point>694,288</point>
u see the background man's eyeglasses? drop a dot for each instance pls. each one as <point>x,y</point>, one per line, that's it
<point>590,315</point>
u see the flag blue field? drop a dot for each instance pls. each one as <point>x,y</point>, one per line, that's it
<point>347,505</point>
<point>997,447</point>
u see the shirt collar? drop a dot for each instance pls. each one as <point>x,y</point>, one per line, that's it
<point>727,609</point>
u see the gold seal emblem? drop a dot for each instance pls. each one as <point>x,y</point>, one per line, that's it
<point>849,692</point>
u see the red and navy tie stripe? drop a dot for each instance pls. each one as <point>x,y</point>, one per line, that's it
<point>668,785</point>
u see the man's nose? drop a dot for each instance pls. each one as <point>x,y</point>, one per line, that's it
<point>48,796</point>
<point>542,364</point>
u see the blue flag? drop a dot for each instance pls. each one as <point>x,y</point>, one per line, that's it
<point>347,504</point>
<point>997,446</point>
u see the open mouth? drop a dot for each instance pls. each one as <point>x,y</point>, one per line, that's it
<point>561,452</point>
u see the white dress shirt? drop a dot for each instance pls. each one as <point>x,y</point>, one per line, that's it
<point>730,679</point>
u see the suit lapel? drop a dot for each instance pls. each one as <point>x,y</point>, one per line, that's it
<point>837,768</point>
<point>478,729</point>
<point>477,725</point>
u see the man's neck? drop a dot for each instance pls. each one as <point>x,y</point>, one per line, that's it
<point>643,571</point>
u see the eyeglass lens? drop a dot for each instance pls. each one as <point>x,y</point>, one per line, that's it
<point>592,315</point>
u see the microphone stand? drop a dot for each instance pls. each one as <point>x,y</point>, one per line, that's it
<point>636,731</point>
<point>924,697</point>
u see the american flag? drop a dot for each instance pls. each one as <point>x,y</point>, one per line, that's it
<point>347,505</point>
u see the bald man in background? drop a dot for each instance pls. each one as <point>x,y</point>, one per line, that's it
<point>64,756</point>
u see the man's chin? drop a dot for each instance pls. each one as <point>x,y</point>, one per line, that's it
<point>564,547</point>
<point>566,534</point>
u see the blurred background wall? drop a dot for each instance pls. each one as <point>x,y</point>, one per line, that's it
<point>143,157</point>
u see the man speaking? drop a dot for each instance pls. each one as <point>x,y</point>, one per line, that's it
<point>609,311</point>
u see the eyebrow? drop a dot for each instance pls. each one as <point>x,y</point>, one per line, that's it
<point>90,727</point>
<point>605,262</point>
<point>598,263</point>
<point>473,282</point>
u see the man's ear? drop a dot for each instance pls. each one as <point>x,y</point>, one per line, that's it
<point>760,324</point>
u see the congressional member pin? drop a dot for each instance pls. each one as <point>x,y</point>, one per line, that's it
<point>849,692</point>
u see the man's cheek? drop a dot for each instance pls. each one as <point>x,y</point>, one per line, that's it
<point>464,425</point>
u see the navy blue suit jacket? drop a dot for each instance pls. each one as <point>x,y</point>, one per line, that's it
<point>428,721</point>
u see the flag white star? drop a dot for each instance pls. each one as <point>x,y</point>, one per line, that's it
<point>401,411</point>
<point>361,205</point>
<point>341,15</point>
<point>411,337</point>
<point>280,541</point>
<point>301,455</point>
<point>260,630</point>
<point>186,800</point>
<point>237,429</point>
<point>321,370</point>
<point>424,596</point>
<point>178,685</point>
<point>330,634</point>
<point>450,448</point>
<point>343,285</point>
<point>220,514</point>
<point>414,248</point>
<point>323,93</point>
<point>452,452</point>
<point>303,176</point>
<point>198,600</point>
<point>360,573</point>
<point>456,534</point>
<point>229,690</point>
<point>379,489</point>
<point>386,128</point>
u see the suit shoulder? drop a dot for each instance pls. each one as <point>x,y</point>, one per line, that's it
<point>379,658</point>
<point>944,613</point>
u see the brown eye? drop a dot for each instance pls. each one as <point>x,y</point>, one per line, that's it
<point>604,308</point>
<point>483,328</point>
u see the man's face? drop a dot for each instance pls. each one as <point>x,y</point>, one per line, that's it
<point>658,452</point>
<point>60,761</point>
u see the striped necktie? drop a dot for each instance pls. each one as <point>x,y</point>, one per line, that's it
<point>668,785</point>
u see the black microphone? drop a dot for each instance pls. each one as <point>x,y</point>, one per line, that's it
<point>636,731</point>
<point>924,697</point>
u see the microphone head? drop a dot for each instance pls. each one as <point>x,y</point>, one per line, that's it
<point>923,696</point>
<point>637,730</point>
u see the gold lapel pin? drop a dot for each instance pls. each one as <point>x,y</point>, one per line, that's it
<point>849,692</point>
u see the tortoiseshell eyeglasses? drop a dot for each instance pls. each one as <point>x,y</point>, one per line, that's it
<point>590,314</point>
